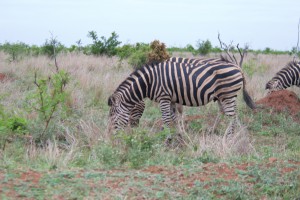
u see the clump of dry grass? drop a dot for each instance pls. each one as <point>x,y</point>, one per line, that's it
<point>220,145</point>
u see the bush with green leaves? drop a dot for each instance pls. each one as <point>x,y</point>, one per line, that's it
<point>15,50</point>
<point>10,126</point>
<point>295,51</point>
<point>145,54</point>
<point>139,57</point>
<point>52,47</point>
<point>204,47</point>
<point>47,99</point>
<point>125,51</point>
<point>139,147</point>
<point>104,46</point>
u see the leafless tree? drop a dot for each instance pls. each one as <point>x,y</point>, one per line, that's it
<point>229,51</point>
<point>297,47</point>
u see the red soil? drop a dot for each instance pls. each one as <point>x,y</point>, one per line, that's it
<point>2,77</point>
<point>178,179</point>
<point>283,100</point>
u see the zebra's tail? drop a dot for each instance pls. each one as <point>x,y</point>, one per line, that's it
<point>247,97</point>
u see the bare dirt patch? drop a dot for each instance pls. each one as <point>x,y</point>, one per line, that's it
<point>283,100</point>
<point>2,77</point>
<point>146,182</point>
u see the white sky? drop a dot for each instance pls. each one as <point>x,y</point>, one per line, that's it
<point>260,23</point>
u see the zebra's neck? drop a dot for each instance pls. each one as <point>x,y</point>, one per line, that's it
<point>135,88</point>
<point>288,77</point>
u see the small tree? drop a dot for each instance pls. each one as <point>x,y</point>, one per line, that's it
<point>139,54</point>
<point>52,47</point>
<point>104,46</point>
<point>204,47</point>
<point>190,48</point>
<point>15,50</point>
<point>11,125</point>
<point>158,52</point>
<point>48,96</point>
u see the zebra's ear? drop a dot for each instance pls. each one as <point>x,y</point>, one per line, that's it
<point>113,101</point>
<point>268,85</point>
<point>110,101</point>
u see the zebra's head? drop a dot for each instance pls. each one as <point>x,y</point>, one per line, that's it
<point>274,85</point>
<point>118,113</point>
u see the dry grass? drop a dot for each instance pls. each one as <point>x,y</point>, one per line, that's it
<point>95,78</point>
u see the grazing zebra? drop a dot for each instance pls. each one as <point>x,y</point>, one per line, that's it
<point>190,82</point>
<point>138,110</point>
<point>286,77</point>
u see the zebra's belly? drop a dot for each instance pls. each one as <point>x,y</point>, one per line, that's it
<point>193,99</point>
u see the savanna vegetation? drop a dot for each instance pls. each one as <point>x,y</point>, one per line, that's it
<point>55,144</point>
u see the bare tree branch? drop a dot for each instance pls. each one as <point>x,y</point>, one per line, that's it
<point>228,50</point>
<point>242,54</point>
<point>225,47</point>
<point>54,43</point>
<point>297,47</point>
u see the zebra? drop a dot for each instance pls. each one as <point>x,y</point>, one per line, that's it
<point>190,82</point>
<point>138,110</point>
<point>286,77</point>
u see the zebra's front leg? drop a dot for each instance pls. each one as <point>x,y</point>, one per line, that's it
<point>136,113</point>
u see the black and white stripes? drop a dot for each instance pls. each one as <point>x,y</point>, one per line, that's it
<point>286,77</point>
<point>190,82</point>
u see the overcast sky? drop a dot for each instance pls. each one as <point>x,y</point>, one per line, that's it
<point>260,23</point>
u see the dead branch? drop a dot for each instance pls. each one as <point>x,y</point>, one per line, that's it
<point>230,54</point>
<point>242,54</point>
<point>54,43</point>
<point>297,47</point>
<point>226,48</point>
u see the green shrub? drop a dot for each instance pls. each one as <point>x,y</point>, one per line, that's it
<point>147,54</point>
<point>139,147</point>
<point>138,57</point>
<point>52,47</point>
<point>190,48</point>
<point>104,46</point>
<point>48,97</point>
<point>15,50</point>
<point>125,51</point>
<point>204,47</point>
<point>10,126</point>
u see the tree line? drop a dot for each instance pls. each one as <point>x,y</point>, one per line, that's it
<point>111,46</point>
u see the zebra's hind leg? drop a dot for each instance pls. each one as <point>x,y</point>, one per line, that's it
<point>232,126</point>
<point>176,111</point>
<point>228,106</point>
<point>217,120</point>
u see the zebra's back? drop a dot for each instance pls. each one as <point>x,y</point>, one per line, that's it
<point>195,85</point>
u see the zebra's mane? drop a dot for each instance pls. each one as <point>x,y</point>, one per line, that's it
<point>134,73</point>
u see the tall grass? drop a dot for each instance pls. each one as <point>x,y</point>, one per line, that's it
<point>85,134</point>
